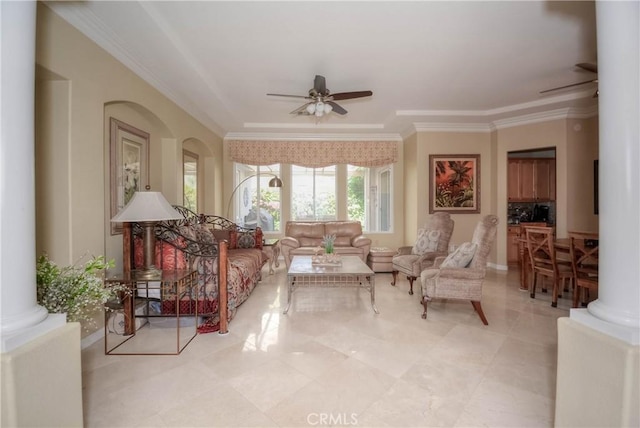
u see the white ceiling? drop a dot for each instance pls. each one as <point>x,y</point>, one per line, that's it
<point>430,65</point>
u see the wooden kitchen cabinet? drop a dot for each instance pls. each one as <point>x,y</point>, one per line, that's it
<point>545,176</point>
<point>531,180</point>
<point>513,181</point>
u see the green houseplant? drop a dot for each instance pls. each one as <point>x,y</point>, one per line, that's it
<point>327,243</point>
<point>75,290</point>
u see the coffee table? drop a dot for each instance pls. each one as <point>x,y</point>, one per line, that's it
<point>351,272</point>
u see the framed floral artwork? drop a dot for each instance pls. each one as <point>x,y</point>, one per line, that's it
<point>454,184</point>
<point>129,165</point>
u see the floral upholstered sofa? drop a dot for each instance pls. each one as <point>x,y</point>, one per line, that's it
<point>304,238</point>
<point>215,247</point>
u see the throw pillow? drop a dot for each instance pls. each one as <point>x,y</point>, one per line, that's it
<point>204,235</point>
<point>233,239</point>
<point>246,240</point>
<point>461,257</point>
<point>427,241</point>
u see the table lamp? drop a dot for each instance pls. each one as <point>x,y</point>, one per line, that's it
<point>147,208</point>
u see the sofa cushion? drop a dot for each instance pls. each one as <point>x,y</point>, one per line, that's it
<point>309,234</point>
<point>427,241</point>
<point>461,257</point>
<point>344,231</point>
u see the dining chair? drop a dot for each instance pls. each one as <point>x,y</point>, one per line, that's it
<point>542,256</point>
<point>584,263</point>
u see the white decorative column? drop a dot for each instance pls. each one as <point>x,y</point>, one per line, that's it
<point>617,310</point>
<point>598,381</point>
<point>40,353</point>
<point>20,311</point>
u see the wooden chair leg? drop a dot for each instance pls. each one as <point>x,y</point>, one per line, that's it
<point>534,282</point>
<point>554,295</point>
<point>411,279</point>
<point>576,296</point>
<point>478,307</point>
<point>394,274</point>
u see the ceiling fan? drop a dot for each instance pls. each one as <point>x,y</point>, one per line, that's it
<point>322,101</point>
<point>593,68</point>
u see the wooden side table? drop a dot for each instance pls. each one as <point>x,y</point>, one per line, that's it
<point>272,247</point>
<point>380,259</point>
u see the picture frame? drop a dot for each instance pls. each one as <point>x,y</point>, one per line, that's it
<point>129,165</point>
<point>454,184</point>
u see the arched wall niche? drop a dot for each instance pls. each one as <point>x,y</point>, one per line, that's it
<point>161,141</point>
<point>206,172</point>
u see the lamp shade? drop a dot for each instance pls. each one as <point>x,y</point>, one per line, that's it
<point>275,182</point>
<point>147,206</point>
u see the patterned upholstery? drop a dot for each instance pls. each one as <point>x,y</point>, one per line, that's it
<point>466,282</point>
<point>409,262</point>
<point>192,243</point>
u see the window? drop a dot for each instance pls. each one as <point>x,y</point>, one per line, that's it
<point>190,180</point>
<point>313,194</point>
<point>252,191</point>
<point>369,197</point>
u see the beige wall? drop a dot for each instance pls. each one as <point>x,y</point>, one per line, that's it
<point>456,143</point>
<point>576,144</point>
<point>582,150</point>
<point>410,200</point>
<point>79,87</point>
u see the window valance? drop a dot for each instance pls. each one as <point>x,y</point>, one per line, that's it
<point>314,154</point>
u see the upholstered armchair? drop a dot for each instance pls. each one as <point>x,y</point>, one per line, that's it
<point>460,275</point>
<point>432,242</point>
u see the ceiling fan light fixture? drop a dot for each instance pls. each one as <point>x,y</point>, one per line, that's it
<point>319,108</point>
<point>311,108</point>
<point>322,101</point>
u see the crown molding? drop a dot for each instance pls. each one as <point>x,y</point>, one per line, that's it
<point>452,127</point>
<point>500,111</point>
<point>91,26</point>
<point>313,125</point>
<point>584,113</point>
<point>547,116</point>
<point>310,137</point>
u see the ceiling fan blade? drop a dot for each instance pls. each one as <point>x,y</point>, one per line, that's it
<point>568,86</point>
<point>320,85</point>
<point>291,96</point>
<point>337,108</point>
<point>588,66</point>
<point>349,95</point>
<point>302,109</point>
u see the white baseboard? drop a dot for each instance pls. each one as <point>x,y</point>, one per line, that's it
<point>497,266</point>
<point>92,338</point>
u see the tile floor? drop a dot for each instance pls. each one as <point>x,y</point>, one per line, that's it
<point>332,362</point>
